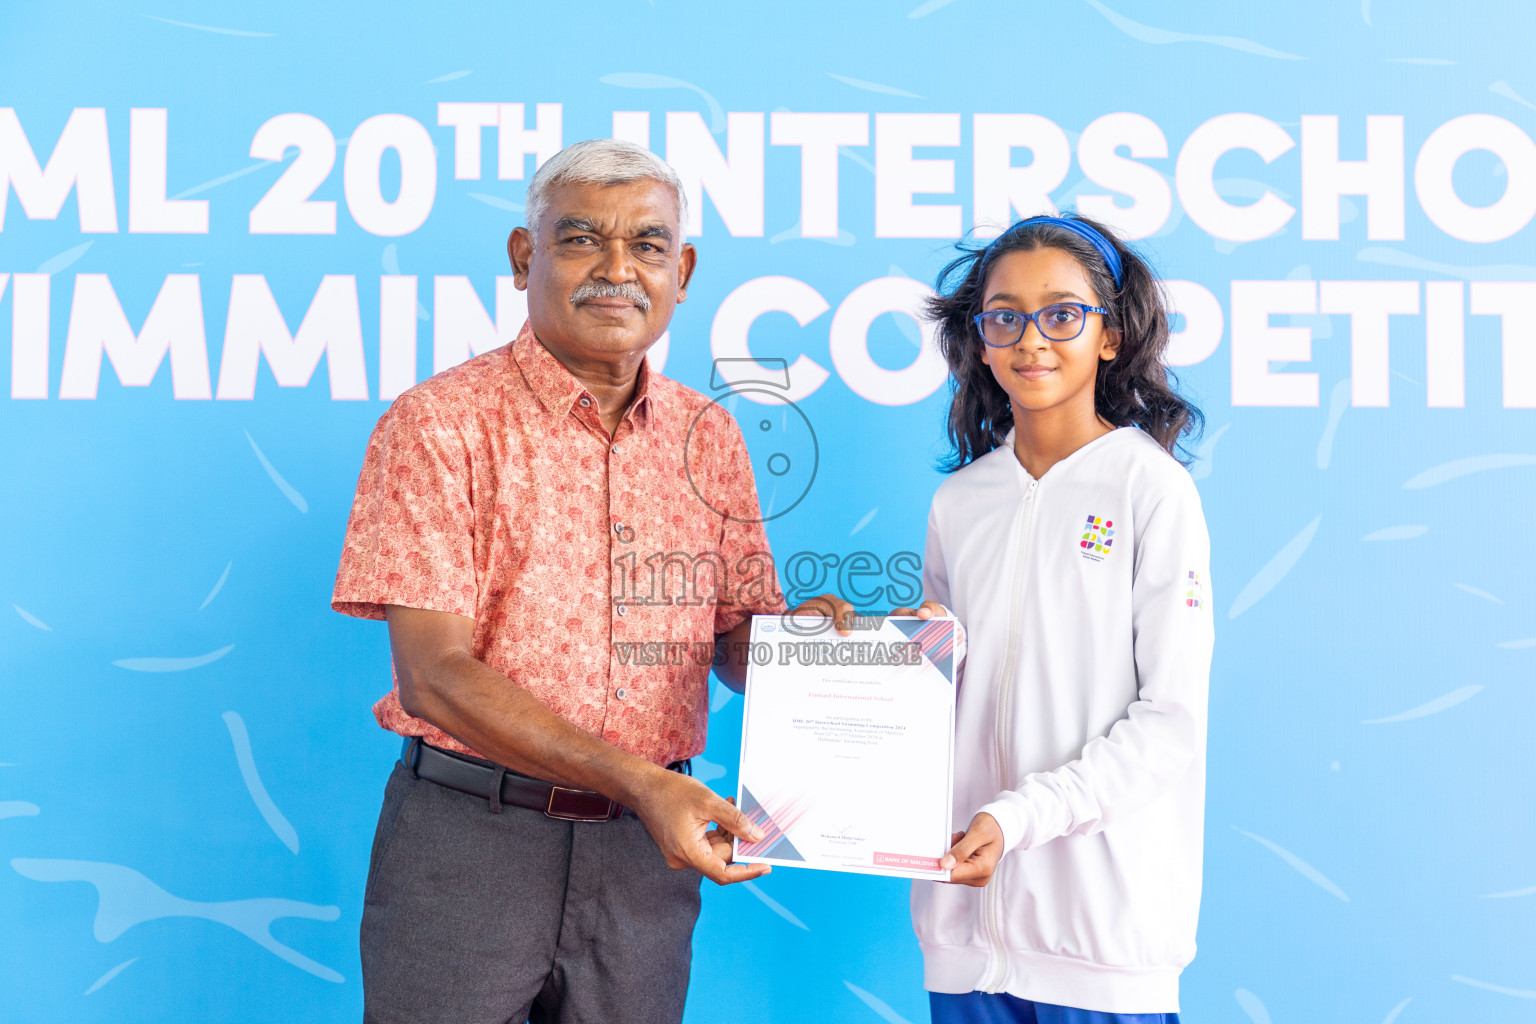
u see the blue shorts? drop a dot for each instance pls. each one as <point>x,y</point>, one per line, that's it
<point>987,1008</point>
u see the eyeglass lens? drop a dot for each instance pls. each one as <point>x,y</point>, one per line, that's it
<point>1002,328</point>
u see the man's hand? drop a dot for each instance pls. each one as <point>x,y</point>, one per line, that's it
<point>720,842</point>
<point>677,811</point>
<point>731,649</point>
<point>975,852</point>
<point>927,610</point>
<point>829,606</point>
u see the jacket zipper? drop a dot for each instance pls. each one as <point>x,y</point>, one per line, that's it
<point>999,974</point>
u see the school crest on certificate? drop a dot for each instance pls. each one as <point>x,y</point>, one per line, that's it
<point>847,744</point>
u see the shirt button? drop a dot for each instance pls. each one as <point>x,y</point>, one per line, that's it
<point>618,527</point>
<point>623,610</point>
<point>620,692</point>
<point>585,401</point>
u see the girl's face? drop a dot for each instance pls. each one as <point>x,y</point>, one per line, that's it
<point>1039,374</point>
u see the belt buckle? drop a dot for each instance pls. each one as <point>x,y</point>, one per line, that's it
<point>580,796</point>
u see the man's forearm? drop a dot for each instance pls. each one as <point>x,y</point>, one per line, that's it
<point>481,708</point>
<point>442,682</point>
<point>731,657</point>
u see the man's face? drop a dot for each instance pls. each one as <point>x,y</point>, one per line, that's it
<point>605,269</point>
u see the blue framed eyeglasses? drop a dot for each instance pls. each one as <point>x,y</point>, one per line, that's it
<point>1060,321</point>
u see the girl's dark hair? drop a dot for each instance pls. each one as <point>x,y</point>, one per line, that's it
<point>1133,389</point>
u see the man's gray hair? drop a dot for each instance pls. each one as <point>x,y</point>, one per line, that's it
<point>601,162</point>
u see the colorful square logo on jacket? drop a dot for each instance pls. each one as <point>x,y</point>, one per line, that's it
<point>1098,537</point>
<point>1194,592</point>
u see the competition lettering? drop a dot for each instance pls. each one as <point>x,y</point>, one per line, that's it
<point>293,328</point>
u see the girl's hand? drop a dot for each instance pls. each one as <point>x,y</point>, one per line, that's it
<point>928,610</point>
<point>975,853</point>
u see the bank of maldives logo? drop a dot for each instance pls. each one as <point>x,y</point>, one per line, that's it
<point>1098,537</point>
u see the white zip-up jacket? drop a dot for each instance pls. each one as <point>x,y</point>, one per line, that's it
<point>1086,602</point>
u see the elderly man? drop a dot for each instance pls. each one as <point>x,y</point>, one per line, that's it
<point>541,842</point>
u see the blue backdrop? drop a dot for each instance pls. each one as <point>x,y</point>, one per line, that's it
<point>190,771</point>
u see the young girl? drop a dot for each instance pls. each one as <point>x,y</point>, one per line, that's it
<point>1070,545</point>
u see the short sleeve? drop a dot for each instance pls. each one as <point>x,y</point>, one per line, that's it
<point>410,537</point>
<point>744,543</point>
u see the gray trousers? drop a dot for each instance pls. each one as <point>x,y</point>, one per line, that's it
<point>472,917</point>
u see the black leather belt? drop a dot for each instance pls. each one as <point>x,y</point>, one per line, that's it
<point>500,786</point>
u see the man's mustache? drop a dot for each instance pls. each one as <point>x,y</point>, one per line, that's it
<point>627,290</point>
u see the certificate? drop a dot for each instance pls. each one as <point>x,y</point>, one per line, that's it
<point>847,745</point>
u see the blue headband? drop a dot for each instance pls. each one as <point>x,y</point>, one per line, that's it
<point>1083,231</point>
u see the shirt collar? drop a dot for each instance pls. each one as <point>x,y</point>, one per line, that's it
<point>558,390</point>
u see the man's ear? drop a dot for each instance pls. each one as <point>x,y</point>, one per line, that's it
<point>686,261</point>
<point>1109,348</point>
<point>520,254</point>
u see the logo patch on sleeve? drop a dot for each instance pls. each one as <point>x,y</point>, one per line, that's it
<point>1194,592</point>
<point>1097,539</point>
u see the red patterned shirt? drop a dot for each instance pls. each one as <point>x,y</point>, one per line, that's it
<point>598,569</point>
